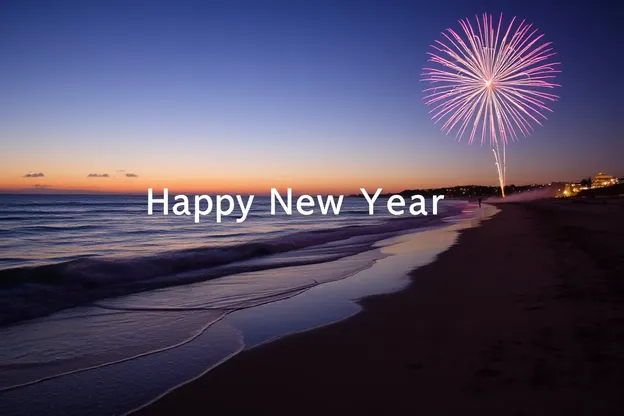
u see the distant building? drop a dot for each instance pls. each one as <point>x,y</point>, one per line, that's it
<point>567,190</point>
<point>572,189</point>
<point>601,180</point>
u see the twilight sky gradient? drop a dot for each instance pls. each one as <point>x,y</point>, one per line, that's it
<point>241,96</point>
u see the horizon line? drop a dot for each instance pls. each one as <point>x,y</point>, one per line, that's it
<point>61,191</point>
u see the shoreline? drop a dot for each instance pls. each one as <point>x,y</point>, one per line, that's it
<point>345,289</point>
<point>49,288</point>
<point>486,342</point>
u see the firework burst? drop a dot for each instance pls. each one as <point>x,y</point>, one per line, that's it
<point>490,83</point>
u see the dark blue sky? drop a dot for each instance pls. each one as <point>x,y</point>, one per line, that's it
<point>311,92</point>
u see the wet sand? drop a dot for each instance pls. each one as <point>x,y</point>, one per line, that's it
<point>523,316</point>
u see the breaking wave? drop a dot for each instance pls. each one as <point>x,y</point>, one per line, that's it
<point>29,292</point>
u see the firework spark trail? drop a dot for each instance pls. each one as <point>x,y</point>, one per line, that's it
<point>492,80</point>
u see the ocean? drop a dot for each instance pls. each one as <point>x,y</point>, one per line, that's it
<point>77,248</point>
<point>93,291</point>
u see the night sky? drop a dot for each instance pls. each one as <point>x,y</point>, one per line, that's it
<point>314,95</point>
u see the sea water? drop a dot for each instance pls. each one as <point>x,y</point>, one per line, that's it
<point>109,346</point>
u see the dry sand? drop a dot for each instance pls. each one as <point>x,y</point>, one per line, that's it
<point>523,316</point>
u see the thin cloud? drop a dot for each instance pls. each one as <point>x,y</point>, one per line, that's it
<point>120,171</point>
<point>98,175</point>
<point>131,175</point>
<point>41,186</point>
<point>34,175</point>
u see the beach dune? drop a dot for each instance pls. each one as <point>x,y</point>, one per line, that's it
<point>523,316</point>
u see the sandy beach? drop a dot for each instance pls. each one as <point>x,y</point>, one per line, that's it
<point>523,316</point>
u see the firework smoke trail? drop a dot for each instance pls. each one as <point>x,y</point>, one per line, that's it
<point>491,80</point>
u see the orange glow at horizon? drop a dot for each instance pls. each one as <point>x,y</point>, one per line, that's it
<point>198,186</point>
<point>212,184</point>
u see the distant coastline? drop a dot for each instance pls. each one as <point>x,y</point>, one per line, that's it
<point>465,191</point>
